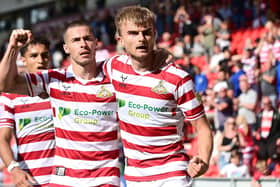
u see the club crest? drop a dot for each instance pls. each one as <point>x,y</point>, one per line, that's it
<point>160,89</point>
<point>103,93</point>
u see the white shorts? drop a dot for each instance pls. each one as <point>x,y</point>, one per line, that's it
<point>174,182</point>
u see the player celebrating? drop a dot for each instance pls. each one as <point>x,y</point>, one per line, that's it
<point>30,119</point>
<point>84,106</point>
<point>154,98</point>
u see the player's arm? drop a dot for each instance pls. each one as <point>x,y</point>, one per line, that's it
<point>199,164</point>
<point>19,177</point>
<point>10,80</point>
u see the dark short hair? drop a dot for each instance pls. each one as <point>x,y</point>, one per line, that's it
<point>34,41</point>
<point>80,22</point>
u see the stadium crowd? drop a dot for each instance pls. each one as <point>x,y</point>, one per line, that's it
<point>232,50</point>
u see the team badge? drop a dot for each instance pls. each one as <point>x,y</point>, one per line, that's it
<point>103,93</point>
<point>160,89</point>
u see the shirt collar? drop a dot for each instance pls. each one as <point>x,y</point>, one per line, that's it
<point>70,74</point>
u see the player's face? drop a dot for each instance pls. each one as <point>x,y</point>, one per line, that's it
<point>37,57</point>
<point>138,41</point>
<point>80,44</point>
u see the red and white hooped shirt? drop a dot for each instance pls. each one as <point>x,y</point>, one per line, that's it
<point>152,107</point>
<point>31,118</point>
<point>84,111</point>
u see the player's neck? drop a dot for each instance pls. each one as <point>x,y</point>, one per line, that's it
<point>87,72</point>
<point>143,65</point>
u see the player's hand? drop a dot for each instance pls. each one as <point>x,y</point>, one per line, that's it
<point>20,37</point>
<point>21,178</point>
<point>197,167</point>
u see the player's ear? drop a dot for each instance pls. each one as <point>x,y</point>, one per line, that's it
<point>119,39</point>
<point>23,59</point>
<point>66,49</point>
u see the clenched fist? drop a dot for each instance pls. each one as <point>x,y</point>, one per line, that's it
<point>20,37</point>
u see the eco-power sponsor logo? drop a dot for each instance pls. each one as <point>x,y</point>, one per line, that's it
<point>121,103</point>
<point>144,107</point>
<point>63,112</point>
<point>92,112</point>
<point>44,122</point>
<point>39,120</point>
<point>84,116</point>
<point>23,122</point>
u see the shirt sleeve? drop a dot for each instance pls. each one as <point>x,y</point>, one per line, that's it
<point>188,100</point>
<point>107,68</point>
<point>37,83</point>
<point>6,112</point>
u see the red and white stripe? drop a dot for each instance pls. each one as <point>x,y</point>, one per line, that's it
<point>276,49</point>
<point>266,123</point>
<point>264,52</point>
<point>35,139</point>
<point>152,109</point>
<point>249,66</point>
<point>85,127</point>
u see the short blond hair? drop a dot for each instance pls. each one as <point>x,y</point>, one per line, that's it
<point>141,16</point>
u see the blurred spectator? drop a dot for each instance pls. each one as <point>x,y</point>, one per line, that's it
<point>267,133</point>
<point>223,81</point>
<point>235,169</point>
<point>223,105</point>
<point>227,142</point>
<point>223,35</point>
<point>200,81</point>
<point>57,57</point>
<point>276,45</point>
<point>260,14</point>
<point>185,25</point>
<point>249,61</point>
<point>226,63</point>
<point>207,29</point>
<point>247,101</point>
<point>225,11</point>
<point>217,56</point>
<point>268,79</point>
<point>234,79</point>
<point>261,170</point>
<point>264,47</point>
<point>198,49</point>
<point>178,48</point>
<point>207,100</point>
<point>187,44</point>
<point>166,41</point>
<point>248,147</point>
<point>101,53</point>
